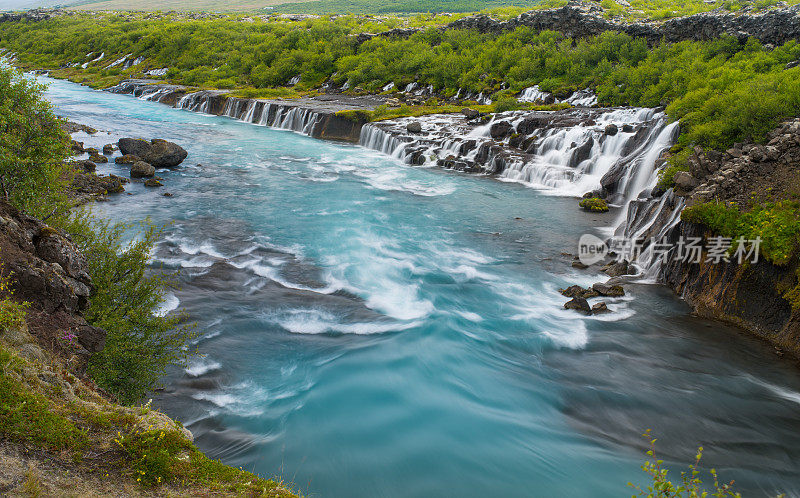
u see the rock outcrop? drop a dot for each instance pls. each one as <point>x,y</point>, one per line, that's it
<point>584,19</point>
<point>48,271</point>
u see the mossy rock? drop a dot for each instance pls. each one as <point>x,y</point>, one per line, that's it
<point>594,204</point>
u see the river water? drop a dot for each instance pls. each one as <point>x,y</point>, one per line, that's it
<point>369,328</point>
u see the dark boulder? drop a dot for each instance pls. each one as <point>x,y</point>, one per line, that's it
<point>606,290</point>
<point>500,130</point>
<point>470,113</point>
<point>141,169</point>
<point>157,152</point>
<point>578,304</point>
<point>600,307</point>
<point>127,159</point>
<point>611,130</point>
<point>414,127</point>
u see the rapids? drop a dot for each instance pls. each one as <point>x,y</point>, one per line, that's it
<point>370,328</point>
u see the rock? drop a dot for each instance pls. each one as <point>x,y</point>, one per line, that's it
<point>393,102</point>
<point>627,128</point>
<point>500,129</point>
<point>685,181</point>
<point>77,147</point>
<point>582,153</point>
<point>578,291</point>
<point>414,127</point>
<point>108,149</point>
<point>470,113</point>
<point>97,158</point>
<point>600,307</point>
<point>165,154</point>
<point>578,304</point>
<point>141,169</point>
<point>167,194</point>
<point>127,159</point>
<point>579,265</point>
<point>611,130</point>
<point>159,153</point>
<point>617,269</point>
<point>152,182</point>
<point>133,146</point>
<point>86,165</point>
<point>608,290</point>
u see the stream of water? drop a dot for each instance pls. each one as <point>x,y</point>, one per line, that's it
<point>369,328</point>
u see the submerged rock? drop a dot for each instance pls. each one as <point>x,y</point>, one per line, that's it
<point>600,307</point>
<point>152,182</point>
<point>127,159</point>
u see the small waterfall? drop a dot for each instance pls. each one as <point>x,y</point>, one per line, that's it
<point>582,98</point>
<point>533,94</point>
<point>375,138</point>
<point>195,102</point>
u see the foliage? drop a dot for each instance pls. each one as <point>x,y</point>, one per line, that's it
<point>32,145</point>
<point>505,104</point>
<point>722,91</point>
<point>163,456</point>
<point>776,223</point>
<point>690,485</point>
<point>140,344</point>
<point>26,415</point>
<point>12,313</point>
<point>594,204</point>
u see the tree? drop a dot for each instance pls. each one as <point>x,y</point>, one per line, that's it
<point>33,146</point>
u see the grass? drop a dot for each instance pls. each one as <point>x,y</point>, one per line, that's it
<point>383,112</point>
<point>44,415</point>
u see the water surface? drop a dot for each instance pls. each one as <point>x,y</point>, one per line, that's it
<point>369,328</point>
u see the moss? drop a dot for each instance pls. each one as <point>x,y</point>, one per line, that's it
<point>28,416</point>
<point>594,204</point>
<point>678,161</point>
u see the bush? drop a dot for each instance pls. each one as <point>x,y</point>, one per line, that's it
<point>506,104</point>
<point>776,223</point>
<point>690,485</point>
<point>32,146</point>
<point>139,345</point>
<point>12,313</point>
<point>594,204</point>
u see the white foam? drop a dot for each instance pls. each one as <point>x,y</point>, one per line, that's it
<point>314,321</point>
<point>171,303</point>
<point>201,367</point>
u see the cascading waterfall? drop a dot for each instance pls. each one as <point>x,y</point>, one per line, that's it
<point>375,138</point>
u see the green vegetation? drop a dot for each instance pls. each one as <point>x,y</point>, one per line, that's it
<point>27,415</point>
<point>383,112</point>
<point>32,146</point>
<point>723,92</point>
<point>12,313</point>
<point>776,223</point>
<point>690,485</point>
<point>594,204</point>
<point>139,345</point>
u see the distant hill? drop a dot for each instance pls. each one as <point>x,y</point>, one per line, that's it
<point>298,6</point>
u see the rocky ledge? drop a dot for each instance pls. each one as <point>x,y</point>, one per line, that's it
<point>584,19</point>
<point>314,116</point>
<point>49,272</point>
<point>751,296</point>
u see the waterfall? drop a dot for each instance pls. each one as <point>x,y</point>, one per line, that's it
<point>373,137</point>
<point>533,94</point>
<point>195,102</point>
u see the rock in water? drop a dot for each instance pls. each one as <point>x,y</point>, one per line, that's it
<point>600,307</point>
<point>159,153</point>
<point>611,130</point>
<point>108,149</point>
<point>470,113</point>
<point>152,182</point>
<point>141,169</point>
<point>163,154</point>
<point>578,304</point>
<point>609,290</point>
<point>414,127</point>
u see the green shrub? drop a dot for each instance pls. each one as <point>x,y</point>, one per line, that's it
<point>28,416</point>
<point>776,223</point>
<point>594,204</point>
<point>12,313</point>
<point>139,345</point>
<point>32,146</point>
<point>506,104</point>
<point>690,484</point>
